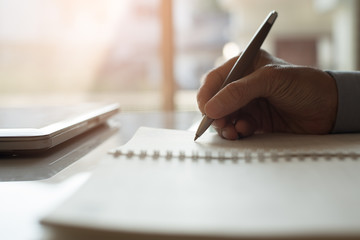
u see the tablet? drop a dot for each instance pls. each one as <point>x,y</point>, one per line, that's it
<point>40,128</point>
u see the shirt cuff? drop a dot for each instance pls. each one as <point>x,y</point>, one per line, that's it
<point>348,112</point>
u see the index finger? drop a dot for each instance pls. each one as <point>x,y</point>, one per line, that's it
<point>212,83</point>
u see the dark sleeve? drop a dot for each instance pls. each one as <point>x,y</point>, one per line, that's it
<point>348,112</point>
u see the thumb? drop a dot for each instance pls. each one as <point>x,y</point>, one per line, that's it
<point>238,94</point>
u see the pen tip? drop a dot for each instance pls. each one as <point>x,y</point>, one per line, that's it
<point>196,137</point>
<point>272,17</point>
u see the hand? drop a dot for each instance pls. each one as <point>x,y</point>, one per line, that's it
<point>274,97</point>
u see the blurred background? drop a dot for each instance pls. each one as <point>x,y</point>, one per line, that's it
<point>151,54</point>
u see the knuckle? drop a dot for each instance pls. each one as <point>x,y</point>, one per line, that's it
<point>212,75</point>
<point>271,69</point>
<point>236,91</point>
<point>263,58</point>
<point>209,86</point>
<point>201,100</point>
<point>271,77</point>
<point>200,103</point>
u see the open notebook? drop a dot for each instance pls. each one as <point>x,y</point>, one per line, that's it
<point>163,185</point>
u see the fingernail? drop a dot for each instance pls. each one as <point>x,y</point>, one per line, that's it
<point>225,134</point>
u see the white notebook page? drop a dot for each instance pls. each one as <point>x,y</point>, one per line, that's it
<point>142,195</point>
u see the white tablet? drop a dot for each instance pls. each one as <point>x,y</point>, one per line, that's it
<point>40,128</point>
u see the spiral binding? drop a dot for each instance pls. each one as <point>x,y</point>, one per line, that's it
<point>234,155</point>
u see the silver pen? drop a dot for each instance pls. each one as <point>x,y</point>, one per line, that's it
<point>242,63</point>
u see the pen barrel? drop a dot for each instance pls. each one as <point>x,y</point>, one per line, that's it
<point>204,125</point>
<point>243,65</point>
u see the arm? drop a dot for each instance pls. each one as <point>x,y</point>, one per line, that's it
<point>348,111</point>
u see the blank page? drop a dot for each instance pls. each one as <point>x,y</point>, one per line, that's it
<point>145,195</point>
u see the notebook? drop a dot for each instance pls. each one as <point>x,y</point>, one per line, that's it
<point>163,185</point>
<point>34,129</point>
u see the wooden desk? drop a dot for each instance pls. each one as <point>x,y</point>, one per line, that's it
<point>30,187</point>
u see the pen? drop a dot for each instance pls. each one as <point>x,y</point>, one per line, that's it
<point>242,63</point>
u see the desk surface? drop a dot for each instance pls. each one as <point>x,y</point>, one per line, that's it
<point>31,187</point>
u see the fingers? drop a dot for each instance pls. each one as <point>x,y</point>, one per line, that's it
<point>264,58</point>
<point>238,94</point>
<point>213,82</point>
<point>246,126</point>
<point>214,79</point>
<point>220,105</point>
<point>235,127</point>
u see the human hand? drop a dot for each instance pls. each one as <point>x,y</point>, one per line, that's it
<point>274,97</point>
